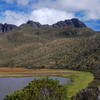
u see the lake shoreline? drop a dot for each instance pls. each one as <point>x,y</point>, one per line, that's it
<point>11,84</point>
<point>80,80</point>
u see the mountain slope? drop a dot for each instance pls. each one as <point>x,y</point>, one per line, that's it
<point>58,53</point>
<point>34,46</point>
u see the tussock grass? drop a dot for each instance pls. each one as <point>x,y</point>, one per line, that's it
<point>80,81</point>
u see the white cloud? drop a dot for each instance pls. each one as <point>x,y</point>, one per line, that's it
<point>90,6</point>
<point>23,2</point>
<point>19,2</point>
<point>93,15</point>
<point>44,16</point>
<point>50,16</point>
<point>51,11</point>
<point>11,17</point>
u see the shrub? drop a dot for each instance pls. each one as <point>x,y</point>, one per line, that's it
<point>40,89</point>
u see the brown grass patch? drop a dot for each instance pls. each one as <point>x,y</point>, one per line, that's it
<point>18,72</point>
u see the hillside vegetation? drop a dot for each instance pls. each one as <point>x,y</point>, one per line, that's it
<point>50,47</point>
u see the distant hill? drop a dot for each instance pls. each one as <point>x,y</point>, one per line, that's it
<point>66,44</point>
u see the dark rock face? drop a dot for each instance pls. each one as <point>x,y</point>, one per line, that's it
<point>1,27</point>
<point>73,22</point>
<point>78,23</point>
<point>33,24</point>
<point>6,27</point>
<point>87,94</point>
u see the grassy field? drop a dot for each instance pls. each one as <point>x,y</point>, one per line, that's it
<point>80,80</point>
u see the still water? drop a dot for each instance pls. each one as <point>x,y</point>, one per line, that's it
<point>11,84</point>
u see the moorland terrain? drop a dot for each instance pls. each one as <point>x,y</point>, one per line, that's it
<point>68,44</point>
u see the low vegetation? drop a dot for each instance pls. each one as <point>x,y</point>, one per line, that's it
<point>40,89</point>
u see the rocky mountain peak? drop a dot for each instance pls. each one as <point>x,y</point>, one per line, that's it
<point>78,23</point>
<point>73,22</point>
<point>33,24</point>
<point>6,27</point>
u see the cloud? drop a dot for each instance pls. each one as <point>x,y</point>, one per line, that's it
<point>91,8</point>
<point>50,16</point>
<point>23,2</point>
<point>18,2</point>
<point>92,15</point>
<point>16,18</point>
<point>49,11</point>
<point>43,15</point>
<point>9,1</point>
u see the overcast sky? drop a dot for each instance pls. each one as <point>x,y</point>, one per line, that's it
<point>50,11</point>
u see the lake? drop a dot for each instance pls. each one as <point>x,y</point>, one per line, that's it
<point>11,84</point>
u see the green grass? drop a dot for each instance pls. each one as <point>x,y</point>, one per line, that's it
<point>80,81</point>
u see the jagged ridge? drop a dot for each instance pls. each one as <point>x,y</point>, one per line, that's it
<point>73,22</point>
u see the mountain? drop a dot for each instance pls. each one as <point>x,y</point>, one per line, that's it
<point>33,24</point>
<point>72,45</point>
<point>6,27</point>
<point>73,22</point>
